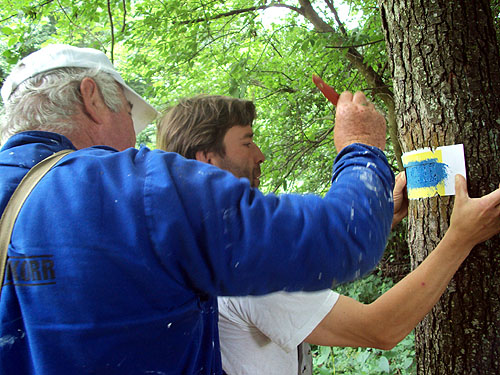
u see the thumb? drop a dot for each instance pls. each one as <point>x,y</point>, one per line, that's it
<point>461,187</point>
<point>400,180</point>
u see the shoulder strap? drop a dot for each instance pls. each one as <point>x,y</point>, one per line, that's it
<point>16,201</point>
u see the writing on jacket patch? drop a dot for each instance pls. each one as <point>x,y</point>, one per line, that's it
<point>30,270</point>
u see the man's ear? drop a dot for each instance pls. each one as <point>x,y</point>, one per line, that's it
<point>93,103</point>
<point>204,156</point>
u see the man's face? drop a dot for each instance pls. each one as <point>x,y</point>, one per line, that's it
<point>243,157</point>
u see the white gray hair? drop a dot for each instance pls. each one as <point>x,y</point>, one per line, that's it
<point>48,101</point>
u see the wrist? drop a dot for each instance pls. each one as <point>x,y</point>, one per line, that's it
<point>459,246</point>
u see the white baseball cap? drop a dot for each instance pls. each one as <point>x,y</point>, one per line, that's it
<point>64,56</point>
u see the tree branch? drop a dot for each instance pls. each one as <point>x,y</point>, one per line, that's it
<point>124,15</point>
<point>297,156</point>
<point>240,11</point>
<point>80,27</point>
<point>357,45</point>
<point>37,6</point>
<point>110,15</point>
<point>336,15</point>
<point>275,71</point>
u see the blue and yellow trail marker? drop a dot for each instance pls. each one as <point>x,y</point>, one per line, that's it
<point>430,173</point>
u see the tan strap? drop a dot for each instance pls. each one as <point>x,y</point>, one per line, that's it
<point>16,201</point>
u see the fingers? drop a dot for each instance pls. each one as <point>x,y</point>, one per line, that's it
<point>360,98</point>
<point>474,220</point>
<point>399,187</point>
<point>491,199</point>
<point>400,199</point>
<point>346,96</point>
<point>399,192</point>
<point>357,121</point>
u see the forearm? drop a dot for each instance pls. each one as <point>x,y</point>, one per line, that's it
<point>391,317</point>
<point>399,310</point>
<point>385,322</point>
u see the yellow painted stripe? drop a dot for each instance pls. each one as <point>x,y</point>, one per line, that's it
<point>426,192</point>
<point>422,156</point>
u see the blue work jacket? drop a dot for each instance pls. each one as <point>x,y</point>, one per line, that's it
<point>116,258</point>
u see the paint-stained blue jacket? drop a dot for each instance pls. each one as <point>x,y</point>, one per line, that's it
<point>116,257</point>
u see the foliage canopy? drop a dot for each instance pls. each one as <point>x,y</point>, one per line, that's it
<point>264,51</point>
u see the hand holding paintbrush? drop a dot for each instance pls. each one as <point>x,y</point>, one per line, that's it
<point>357,120</point>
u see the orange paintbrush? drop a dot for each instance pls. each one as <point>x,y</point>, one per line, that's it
<point>326,89</point>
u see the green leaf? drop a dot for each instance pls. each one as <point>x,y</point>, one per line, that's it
<point>324,353</point>
<point>12,41</point>
<point>363,356</point>
<point>407,363</point>
<point>234,88</point>
<point>7,30</point>
<point>383,364</point>
<point>7,53</point>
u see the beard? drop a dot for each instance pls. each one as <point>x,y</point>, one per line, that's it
<point>239,171</point>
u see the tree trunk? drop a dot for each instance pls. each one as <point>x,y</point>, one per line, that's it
<point>445,64</point>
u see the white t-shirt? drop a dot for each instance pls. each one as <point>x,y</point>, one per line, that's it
<point>260,335</point>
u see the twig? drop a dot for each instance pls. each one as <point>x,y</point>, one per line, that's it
<point>79,27</point>
<point>124,15</point>
<point>241,11</point>
<point>15,15</point>
<point>336,15</point>
<point>112,32</point>
<point>357,45</point>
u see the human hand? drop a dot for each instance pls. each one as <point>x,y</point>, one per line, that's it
<point>474,220</point>
<point>357,121</point>
<point>400,195</point>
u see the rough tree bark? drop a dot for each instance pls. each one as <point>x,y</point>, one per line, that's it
<point>445,64</point>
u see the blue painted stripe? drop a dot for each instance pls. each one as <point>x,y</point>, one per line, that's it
<point>425,173</point>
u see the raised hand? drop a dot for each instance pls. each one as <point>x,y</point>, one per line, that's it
<point>357,121</point>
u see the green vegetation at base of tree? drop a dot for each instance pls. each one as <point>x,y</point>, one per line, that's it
<point>366,361</point>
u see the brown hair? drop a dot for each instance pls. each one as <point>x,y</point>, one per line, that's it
<point>201,122</point>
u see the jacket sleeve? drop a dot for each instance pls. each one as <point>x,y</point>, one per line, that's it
<point>217,235</point>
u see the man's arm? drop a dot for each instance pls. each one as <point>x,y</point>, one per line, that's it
<point>385,322</point>
<point>228,228</point>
